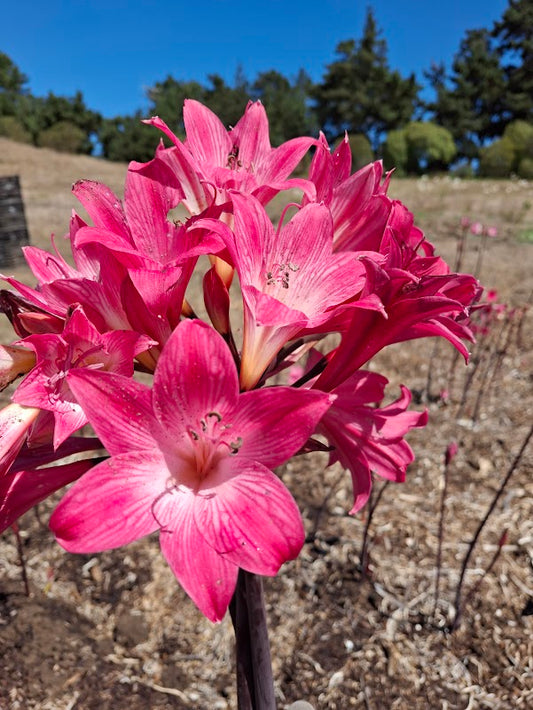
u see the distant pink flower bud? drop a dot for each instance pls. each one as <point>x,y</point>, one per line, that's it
<point>491,231</point>
<point>451,451</point>
<point>476,228</point>
<point>503,539</point>
<point>465,222</point>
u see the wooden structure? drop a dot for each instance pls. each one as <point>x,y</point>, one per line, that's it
<point>13,228</point>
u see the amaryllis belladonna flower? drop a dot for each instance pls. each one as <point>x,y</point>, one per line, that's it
<point>192,459</point>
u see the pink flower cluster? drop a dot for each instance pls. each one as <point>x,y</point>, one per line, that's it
<point>478,229</point>
<point>191,450</point>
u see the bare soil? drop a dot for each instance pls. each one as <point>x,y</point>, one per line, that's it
<point>114,631</point>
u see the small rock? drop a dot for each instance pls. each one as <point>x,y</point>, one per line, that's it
<point>131,628</point>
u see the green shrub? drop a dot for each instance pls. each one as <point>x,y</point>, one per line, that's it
<point>361,150</point>
<point>395,151</point>
<point>429,147</point>
<point>497,159</point>
<point>520,133</point>
<point>525,169</point>
<point>12,129</point>
<point>64,137</point>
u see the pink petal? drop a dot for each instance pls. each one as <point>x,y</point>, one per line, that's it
<point>103,206</point>
<point>275,423</point>
<point>22,490</point>
<point>207,139</point>
<point>151,192</point>
<point>284,159</point>
<point>249,516</point>
<point>14,424</point>
<point>195,375</point>
<point>119,409</point>
<point>251,136</point>
<point>47,267</point>
<point>111,505</point>
<point>14,361</point>
<point>208,577</point>
<point>68,420</point>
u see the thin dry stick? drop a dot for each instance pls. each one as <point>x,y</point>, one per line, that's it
<point>452,371</point>
<point>451,450</point>
<point>481,357</point>
<point>460,249</point>
<point>493,367</point>
<point>491,564</point>
<point>22,560</point>
<point>324,503</point>
<point>372,505</point>
<point>520,326</point>
<point>432,358</point>
<point>512,468</point>
<point>480,251</point>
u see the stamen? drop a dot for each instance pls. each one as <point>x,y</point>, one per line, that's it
<point>284,274</point>
<point>235,445</point>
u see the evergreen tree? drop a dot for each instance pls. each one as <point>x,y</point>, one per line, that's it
<point>514,37</point>
<point>39,114</point>
<point>166,101</point>
<point>469,101</point>
<point>228,102</point>
<point>360,93</point>
<point>128,138</point>
<point>12,82</point>
<point>286,104</point>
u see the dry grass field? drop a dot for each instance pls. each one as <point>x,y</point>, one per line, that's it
<point>115,632</point>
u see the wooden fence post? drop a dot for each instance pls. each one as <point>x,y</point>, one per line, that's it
<point>13,228</point>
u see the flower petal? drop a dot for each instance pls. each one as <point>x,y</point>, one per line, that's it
<point>250,517</point>
<point>276,422</point>
<point>22,490</point>
<point>112,504</point>
<point>207,139</point>
<point>119,409</point>
<point>195,375</point>
<point>208,577</point>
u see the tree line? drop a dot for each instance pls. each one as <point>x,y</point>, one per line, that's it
<point>481,113</point>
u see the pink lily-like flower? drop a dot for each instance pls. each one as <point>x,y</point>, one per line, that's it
<point>214,160</point>
<point>22,483</point>
<point>29,479</point>
<point>80,345</point>
<point>192,458</point>
<point>420,298</point>
<point>369,439</point>
<point>290,278</point>
<point>358,203</point>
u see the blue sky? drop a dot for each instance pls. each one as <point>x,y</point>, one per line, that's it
<point>113,50</point>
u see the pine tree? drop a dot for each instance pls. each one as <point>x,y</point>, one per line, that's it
<point>469,101</point>
<point>286,104</point>
<point>360,93</point>
<point>514,37</point>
